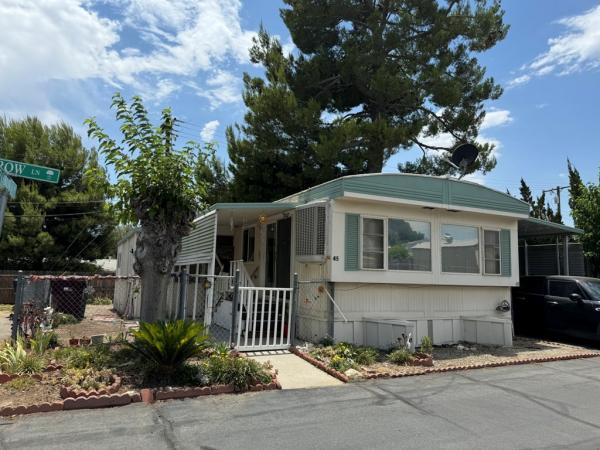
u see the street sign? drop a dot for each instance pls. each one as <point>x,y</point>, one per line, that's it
<point>30,171</point>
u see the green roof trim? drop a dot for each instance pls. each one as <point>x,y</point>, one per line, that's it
<point>263,205</point>
<point>447,192</point>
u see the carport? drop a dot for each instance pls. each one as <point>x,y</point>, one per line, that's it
<point>545,248</point>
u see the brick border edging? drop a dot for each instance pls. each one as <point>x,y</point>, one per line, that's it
<point>482,366</point>
<point>319,365</point>
<point>73,392</point>
<point>7,377</point>
<point>145,395</point>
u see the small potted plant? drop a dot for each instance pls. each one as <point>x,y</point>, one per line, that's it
<point>85,341</point>
<point>425,356</point>
<point>73,341</point>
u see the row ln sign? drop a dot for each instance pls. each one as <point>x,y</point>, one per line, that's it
<point>30,171</point>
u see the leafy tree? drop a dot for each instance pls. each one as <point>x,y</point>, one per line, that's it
<point>585,209</point>
<point>54,226</point>
<point>213,173</point>
<point>158,187</point>
<point>396,71</point>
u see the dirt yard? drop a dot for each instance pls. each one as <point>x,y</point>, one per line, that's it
<point>469,355</point>
<point>99,319</point>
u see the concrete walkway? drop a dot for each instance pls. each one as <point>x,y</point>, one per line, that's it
<point>294,372</point>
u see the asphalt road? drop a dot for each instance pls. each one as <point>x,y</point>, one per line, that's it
<point>552,405</point>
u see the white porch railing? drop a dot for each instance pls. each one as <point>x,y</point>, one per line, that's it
<point>245,278</point>
<point>264,318</point>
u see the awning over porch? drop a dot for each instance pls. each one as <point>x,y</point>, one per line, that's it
<point>532,227</point>
<point>245,213</point>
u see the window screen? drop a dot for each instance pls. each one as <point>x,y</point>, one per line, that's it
<point>460,249</point>
<point>491,252</point>
<point>373,231</point>
<point>409,245</point>
<point>310,231</point>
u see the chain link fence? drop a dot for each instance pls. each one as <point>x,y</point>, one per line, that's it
<point>75,305</point>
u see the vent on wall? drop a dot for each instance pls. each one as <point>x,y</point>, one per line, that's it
<point>310,232</point>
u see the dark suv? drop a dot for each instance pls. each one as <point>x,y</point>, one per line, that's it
<point>559,305</point>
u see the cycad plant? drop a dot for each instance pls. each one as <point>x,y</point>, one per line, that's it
<point>168,345</point>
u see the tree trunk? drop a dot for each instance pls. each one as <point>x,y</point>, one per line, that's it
<point>155,254</point>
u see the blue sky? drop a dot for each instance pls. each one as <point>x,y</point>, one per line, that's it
<point>63,59</point>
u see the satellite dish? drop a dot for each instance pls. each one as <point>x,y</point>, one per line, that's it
<point>463,156</point>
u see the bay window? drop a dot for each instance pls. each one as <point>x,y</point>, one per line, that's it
<point>460,249</point>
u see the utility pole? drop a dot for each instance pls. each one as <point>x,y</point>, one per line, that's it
<point>557,189</point>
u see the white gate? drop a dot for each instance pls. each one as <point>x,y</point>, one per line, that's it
<point>264,318</point>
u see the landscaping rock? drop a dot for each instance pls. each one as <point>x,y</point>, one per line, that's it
<point>352,374</point>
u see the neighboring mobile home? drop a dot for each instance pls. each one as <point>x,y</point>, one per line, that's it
<point>376,255</point>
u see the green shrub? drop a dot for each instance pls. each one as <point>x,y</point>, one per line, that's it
<point>400,356</point>
<point>87,378</point>
<point>97,357</point>
<point>426,345</point>
<point>239,371</point>
<point>100,301</point>
<point>341,364</point>
<point>59,319</point>
<point>327,341</point>
<point>15,359</point>
<point>42,341</point>
<point>21,383</point>
<point>365,356</point>
<point>168,345</point>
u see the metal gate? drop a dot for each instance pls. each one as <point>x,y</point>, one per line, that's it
<point>264,318</point>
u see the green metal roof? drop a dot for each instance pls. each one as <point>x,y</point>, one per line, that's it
<point>443,191</point>
<point>532,227</point>
<point>254,205</point>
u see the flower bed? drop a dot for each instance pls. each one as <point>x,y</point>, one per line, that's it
<point>123,372</point>
<point>399,363</point>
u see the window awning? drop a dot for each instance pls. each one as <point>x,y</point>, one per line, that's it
<point>532,227</point>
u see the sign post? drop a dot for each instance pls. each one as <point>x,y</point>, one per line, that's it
<point>30,171</point>
<point>8,188</point>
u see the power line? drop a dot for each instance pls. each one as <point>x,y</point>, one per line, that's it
<point>59,203</point>
<point>58,215</point>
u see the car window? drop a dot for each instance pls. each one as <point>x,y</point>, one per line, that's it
<point>534,285</point>
<point>593,287</point>
<point>563,288</point>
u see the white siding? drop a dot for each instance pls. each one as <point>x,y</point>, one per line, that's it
<point>198,246</point>
<point>444,306</point>
<point>125,256</point>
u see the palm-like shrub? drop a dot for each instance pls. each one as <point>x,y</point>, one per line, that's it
<point>168,345</point>
<point>15,359</point>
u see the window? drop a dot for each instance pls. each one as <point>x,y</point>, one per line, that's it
<point>248,244</point>
<point>563,288</point>
<point>409,245</point>
<point>373,232</point>
<point>491,252</point>
<point>460,249</point>
<point>310,231</point>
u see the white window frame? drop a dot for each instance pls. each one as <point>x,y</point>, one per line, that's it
<point>243,243</point>
<point>483,271</point>
<point>384,219</point>
<point>430,245</point>
<point>479,237</point>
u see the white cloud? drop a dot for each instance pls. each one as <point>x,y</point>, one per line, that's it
<point>208,131</point>
<point>221,87</point>
<point>576,50</point>
<point>496,118</point>
<point>68,40</point>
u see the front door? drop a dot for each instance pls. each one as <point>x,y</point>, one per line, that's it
<point>278,253</point>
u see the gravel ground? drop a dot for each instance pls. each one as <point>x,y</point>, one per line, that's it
<point>466,354</point>
<point>46,390</point>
